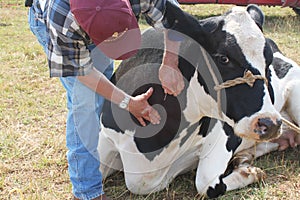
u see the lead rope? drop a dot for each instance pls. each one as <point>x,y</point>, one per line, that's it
<point>291,125</point>
<point>248,78</point>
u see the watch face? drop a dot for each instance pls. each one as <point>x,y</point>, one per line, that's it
<point>123,105</point>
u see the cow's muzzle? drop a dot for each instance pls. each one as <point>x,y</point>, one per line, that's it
<point>266,128</point>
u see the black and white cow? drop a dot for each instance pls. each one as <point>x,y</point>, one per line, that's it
<point>192,133</point>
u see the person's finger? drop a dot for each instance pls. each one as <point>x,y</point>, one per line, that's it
<point>141,120</point>
<point>151,115</point>
<point>180,86</point>
<point>148,94</point>
<point>168,91</point>
<point>154,117</point>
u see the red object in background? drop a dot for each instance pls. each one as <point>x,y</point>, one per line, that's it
<point>295,4</point>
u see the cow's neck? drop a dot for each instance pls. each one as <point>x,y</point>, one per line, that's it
<point>196,109</point>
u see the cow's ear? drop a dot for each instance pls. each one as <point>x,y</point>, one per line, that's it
<point>257,15</point>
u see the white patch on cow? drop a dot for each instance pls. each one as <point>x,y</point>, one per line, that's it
<point>196,108</point>
<point>213,159</point>
<point>243,28</point>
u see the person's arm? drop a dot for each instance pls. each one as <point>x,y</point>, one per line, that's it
<point>138,105</point>
<point>169,74</point>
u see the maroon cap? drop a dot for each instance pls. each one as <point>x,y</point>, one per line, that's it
<point>110,24</point>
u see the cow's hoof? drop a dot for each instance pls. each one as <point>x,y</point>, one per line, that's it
<point>256,173</point>
<point>260,174</point>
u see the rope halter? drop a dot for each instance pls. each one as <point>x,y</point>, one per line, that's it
<point>249,78</point>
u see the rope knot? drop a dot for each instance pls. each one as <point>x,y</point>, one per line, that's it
<point>248,78</point>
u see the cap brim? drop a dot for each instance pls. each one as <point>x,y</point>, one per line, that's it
<point>123,47</point>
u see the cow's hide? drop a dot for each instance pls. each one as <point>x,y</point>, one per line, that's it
<point>192,133</point>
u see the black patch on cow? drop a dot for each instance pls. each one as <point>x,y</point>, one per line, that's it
<point>268,53</point>
<point>153,145</point>
<point>281,67</point>
<point>270,87</point>
<point>233,140</point>
<point>207,125</point>
<point>218,190</point>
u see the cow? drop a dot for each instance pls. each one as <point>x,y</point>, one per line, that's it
<point>201,128</point>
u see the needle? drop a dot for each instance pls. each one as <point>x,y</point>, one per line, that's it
<point>165,97</point>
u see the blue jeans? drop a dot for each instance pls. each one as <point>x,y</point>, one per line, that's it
<point>83,127</point>
<point>38,28</point>
<point>83,121</point>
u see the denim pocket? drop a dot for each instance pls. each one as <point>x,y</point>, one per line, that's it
<point>38,28</point>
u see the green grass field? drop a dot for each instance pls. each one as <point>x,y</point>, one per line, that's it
<point>33,112</point>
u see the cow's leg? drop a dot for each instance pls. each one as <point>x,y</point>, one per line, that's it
<point>213,160</point>
<point>293,105</point>
<point>291,112</point>
<point>109,156</point>
<point>139,178</point>
<point>292,102</point>
<point>243,173</point>
<point>147,177</point>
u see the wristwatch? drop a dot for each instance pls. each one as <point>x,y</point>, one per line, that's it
<point>124,103</point>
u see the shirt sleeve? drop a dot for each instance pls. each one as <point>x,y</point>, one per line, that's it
<point>68,53</point>
<point>153,10</point>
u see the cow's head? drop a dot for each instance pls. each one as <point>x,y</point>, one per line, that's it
<point>236,44</point>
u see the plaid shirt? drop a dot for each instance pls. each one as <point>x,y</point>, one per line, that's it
<point>68,53</point>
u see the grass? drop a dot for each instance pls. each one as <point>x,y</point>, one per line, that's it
<point>33,112</point>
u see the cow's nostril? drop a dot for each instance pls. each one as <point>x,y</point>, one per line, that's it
<point>264,124</point>
<point>279,122</point>
<point>266,128</point>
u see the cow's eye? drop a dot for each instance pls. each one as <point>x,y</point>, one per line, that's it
<point>224,59</point>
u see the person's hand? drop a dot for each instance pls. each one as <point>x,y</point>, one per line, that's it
<point>140,108</point>
<point>289,138</point>
<point>170,76</point>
